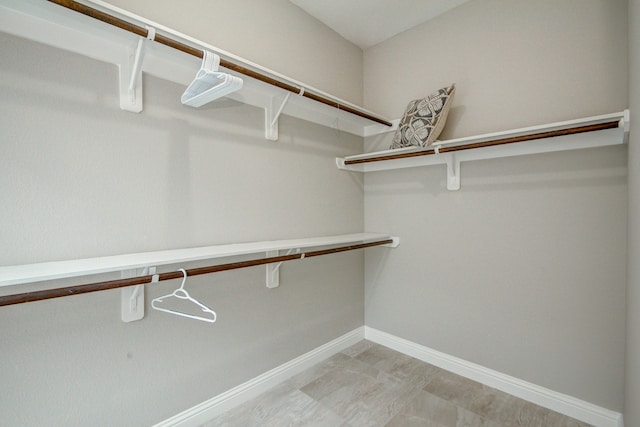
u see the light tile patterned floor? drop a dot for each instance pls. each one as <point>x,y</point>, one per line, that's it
<point>370,385</point>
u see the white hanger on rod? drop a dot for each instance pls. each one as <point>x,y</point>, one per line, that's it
<point>209,83</point>
<point>182,294</point>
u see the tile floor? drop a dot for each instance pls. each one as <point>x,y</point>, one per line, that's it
<point>371,385</point>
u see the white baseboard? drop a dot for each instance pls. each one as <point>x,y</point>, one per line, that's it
<point>209,409</point>
<point>567,405</point>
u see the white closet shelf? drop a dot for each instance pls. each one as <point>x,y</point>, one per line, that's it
<point>29,273</point>
<point>59,26</point>
<point>598,131</point>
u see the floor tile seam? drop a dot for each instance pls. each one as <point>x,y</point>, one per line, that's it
<point>432,423</point>
<point>403,378</point>
<point>332,412</point>
<point>400,411</point>
<point>484,418</point>
<point>444,404</point>
<point>392,372</point>
<point>467,407</point>
<point>402,403</point>
<point>325,407</point>
<point>353,356</point>
<point>361,394</point>
<point>322,404</point>
<point>393,369</point>
<point>360,382</point>
<point>498,418</point>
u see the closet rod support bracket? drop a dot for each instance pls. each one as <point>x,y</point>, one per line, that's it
<point>271,116</point>
<point>131,74</point>
<point>131,78</point>
<point>273,271</point>
<point>132,297</point>
<point>453,172</point>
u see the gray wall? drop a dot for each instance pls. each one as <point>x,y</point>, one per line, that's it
<point>632,371</point>
<point>81,178</point>
<point>523,269</point>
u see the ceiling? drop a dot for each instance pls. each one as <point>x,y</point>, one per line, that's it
<point>369,22</point>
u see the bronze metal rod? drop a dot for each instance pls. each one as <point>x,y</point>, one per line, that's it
<point>121,283</point>
<point>501,141</point>
<point>346,248</point>
<point>167,41</point>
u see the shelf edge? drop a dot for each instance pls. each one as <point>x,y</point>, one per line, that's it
<point>38,272</point>
<point>610,120</point>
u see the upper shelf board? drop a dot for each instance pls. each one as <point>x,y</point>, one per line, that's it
<point>536,139</point>
<point>29,273</point>
<point>59,27</point>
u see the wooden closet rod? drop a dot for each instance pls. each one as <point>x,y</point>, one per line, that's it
<point>502,141</point>
<point>121,283</point>
<point>167,41</point>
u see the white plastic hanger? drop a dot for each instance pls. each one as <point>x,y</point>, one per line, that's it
<point>210,84</point>
<point>182,294</point>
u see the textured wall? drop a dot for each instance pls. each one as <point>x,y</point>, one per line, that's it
<point>632,371</point>
<point>516,63</point>
<point>81,178</point>
<point>523,269</point>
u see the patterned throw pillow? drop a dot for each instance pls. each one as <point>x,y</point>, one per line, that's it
<point>424,119</point>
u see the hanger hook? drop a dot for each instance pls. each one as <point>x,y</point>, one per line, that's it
<point>184,278</point>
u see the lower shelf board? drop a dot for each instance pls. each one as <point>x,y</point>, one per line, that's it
<point>269,250</point>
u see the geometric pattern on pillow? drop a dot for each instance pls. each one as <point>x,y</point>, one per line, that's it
<point>424,119</point>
